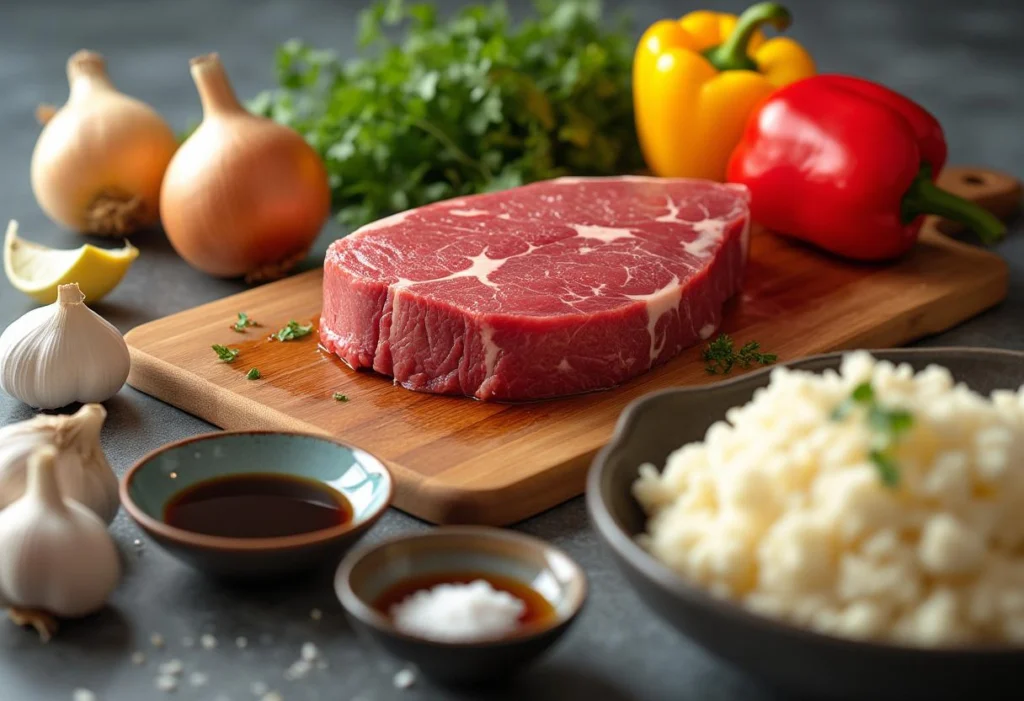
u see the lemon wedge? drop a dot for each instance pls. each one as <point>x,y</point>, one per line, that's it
<point>38,270</point>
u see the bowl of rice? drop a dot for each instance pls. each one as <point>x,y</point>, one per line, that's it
<point>848,526</point>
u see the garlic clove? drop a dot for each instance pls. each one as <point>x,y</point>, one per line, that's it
<point>63,353</point>
<point>82,468</point>
<point>56,556</point>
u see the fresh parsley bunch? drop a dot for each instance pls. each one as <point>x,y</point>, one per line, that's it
<point>468,105</point>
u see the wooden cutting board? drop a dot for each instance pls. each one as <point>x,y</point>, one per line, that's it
<point>461,461</point>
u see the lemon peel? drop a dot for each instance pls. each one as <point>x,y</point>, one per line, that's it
<point>38,270</point>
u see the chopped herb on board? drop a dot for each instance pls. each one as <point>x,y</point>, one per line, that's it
<point>294,330</point>
<point>339,397</point>
<point>887,426</point>
<point>721,355</point>
<point>243,322</point>
<point>225,354</point>
<point>253,374</point>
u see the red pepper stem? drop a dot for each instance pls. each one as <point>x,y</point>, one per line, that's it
<point>925,197</point>
<point>732,55</point>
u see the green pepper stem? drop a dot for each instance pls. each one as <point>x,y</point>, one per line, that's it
<point>732,54</point>
<point>925,197</point>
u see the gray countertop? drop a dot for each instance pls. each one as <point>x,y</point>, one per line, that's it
<point>963,60</point>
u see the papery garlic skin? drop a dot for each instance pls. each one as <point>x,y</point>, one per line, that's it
<point>63,353</point>
<point>55,555</point>
<point>83,472</point>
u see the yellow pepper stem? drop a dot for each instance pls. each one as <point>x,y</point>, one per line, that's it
<point>732,54</point>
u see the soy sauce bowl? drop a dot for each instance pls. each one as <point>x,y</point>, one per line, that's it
<point>154,481</point>
<point>367,573</point>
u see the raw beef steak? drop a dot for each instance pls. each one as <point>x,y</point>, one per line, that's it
<point>549,289</point>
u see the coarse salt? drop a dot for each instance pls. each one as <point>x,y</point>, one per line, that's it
<point>404,679</point>
<point>459,612</point>
<point>241,642</point>
<point>138,658</point>
<point>156,640</point>
<point>272,696</point>
<point>166,682</point>
<point>198,679</point>
<point>171,668</point>
<point>309,652</point>
<point>259,688</point>
<point>208,642</point>
<point>83,695</point>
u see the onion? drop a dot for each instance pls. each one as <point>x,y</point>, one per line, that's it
<point>244,196</point>
<point>100,159</point>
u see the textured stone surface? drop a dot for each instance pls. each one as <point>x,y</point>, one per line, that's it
<point>963,60</point>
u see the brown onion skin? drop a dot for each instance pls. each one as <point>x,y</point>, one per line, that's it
<point>243,194</point>
<point>101,142</point>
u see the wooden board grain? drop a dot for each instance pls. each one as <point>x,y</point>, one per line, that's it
<point>461,461</point>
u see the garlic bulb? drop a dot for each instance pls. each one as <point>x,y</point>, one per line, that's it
<point>99,161</point>
<point>62,353</point>
<point>56,556</point>
<point>82,469</point>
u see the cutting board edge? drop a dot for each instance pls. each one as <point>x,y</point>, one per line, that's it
<point>435,499</point>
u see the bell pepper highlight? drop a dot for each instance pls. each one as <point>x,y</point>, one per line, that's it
<point>696,80</point>
<point>849,166</point>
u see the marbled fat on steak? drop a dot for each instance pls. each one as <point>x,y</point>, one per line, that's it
<point>549,289</point>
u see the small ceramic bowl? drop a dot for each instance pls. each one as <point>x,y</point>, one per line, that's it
<point>799,661</point>
<point>150,484</point>
<point>366,574</point>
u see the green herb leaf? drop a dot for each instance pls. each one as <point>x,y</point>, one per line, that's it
<point>253,374</point>
<point>294,330</point>
<point>225,354</point>
<point>339,397</point>
<point>243,323</point>
<point>863,393</point>
<point>888,471</point>
<point>431,109</point>
<point>886,427</point>
<point>720,356</point>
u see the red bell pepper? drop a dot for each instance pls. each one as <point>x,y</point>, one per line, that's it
<point>848,165</point>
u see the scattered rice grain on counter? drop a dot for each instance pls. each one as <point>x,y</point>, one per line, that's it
<point>208,642</point>
<point>83,695</point>
<point>782,507</point>
<point>138,658</point>
<point>156,640</point>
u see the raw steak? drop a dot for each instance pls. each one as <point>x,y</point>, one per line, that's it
<point>549,289</point>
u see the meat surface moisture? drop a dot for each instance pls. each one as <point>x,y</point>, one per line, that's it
<point>549,289</point>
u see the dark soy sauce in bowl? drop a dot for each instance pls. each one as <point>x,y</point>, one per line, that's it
<point>257,505</point>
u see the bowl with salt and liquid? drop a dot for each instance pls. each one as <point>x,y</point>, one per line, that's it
<point>465,605</point>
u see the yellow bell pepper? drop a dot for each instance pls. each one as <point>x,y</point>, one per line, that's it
<point>697,79</point>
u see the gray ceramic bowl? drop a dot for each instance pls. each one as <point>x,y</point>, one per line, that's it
<point>150,483</point>
<point>366,574</point>
<point>815,666</point>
